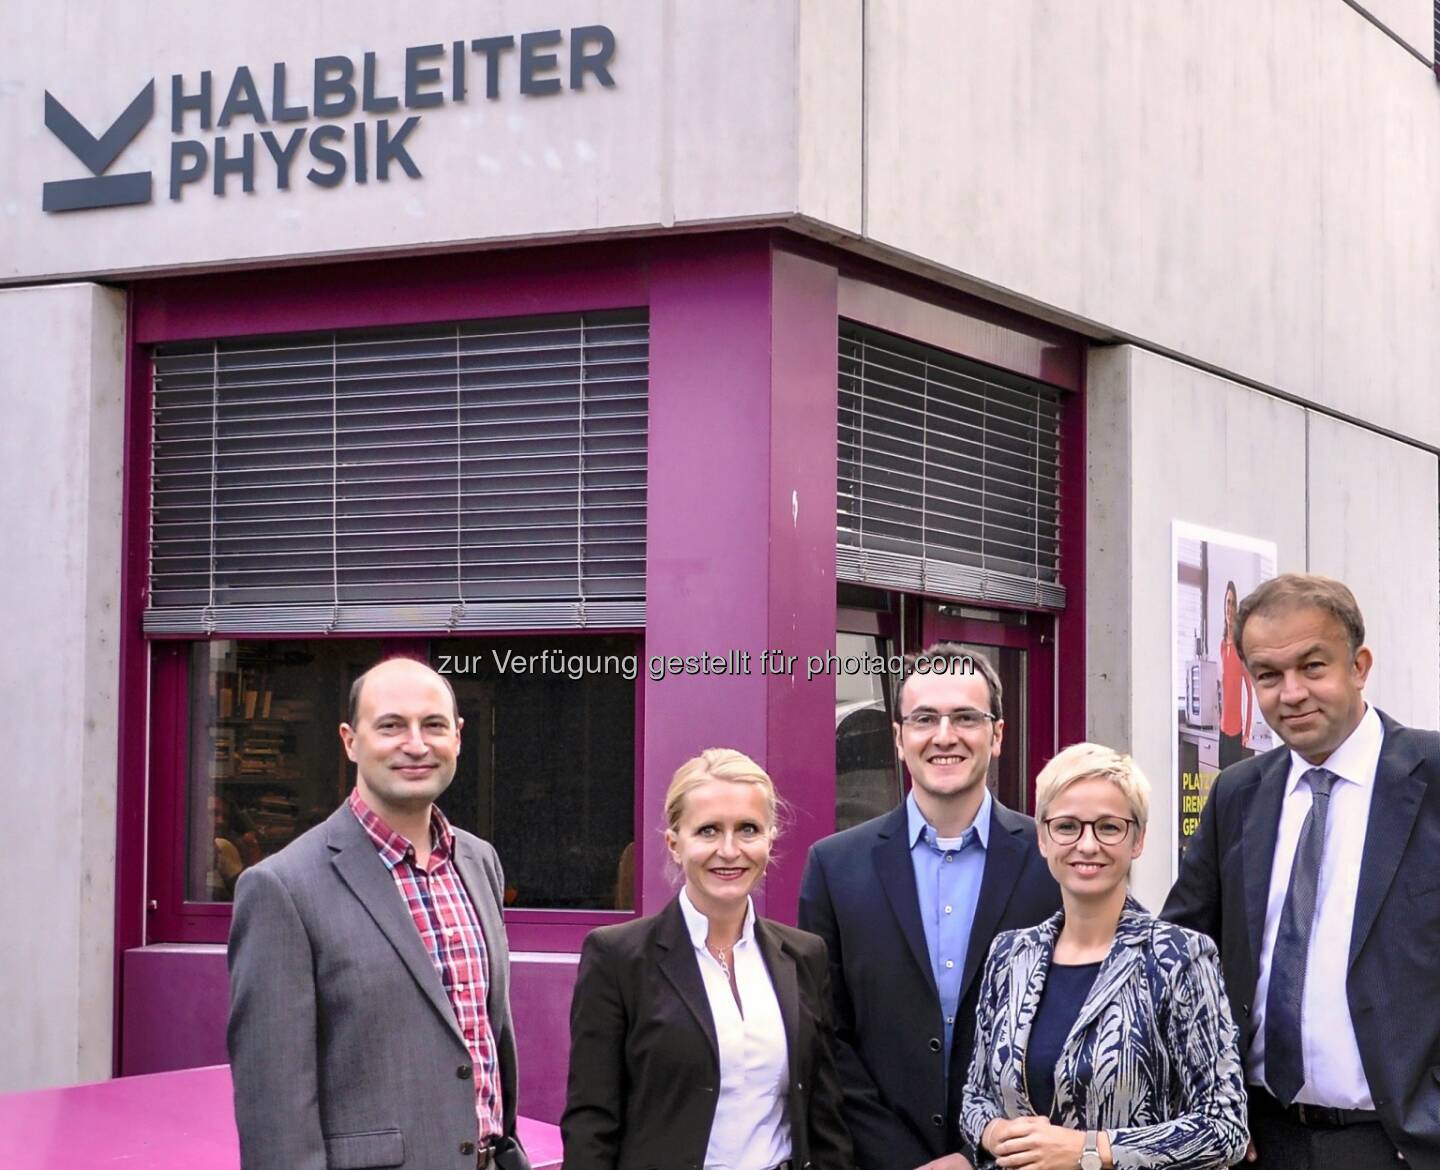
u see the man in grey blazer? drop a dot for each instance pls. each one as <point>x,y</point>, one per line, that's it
<point>369,1005</point>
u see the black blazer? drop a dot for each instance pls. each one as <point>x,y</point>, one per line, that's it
<point>858,894</point>
<point>1393,986</point>
<point>644,1060</point>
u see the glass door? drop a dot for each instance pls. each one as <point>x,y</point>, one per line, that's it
<point>1021,647</point>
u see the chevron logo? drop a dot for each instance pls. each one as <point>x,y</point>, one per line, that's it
<point>98,155</point>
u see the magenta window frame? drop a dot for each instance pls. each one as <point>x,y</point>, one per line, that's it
<point>174,918</point>
<point>370,294</point>
<point>752,313</point>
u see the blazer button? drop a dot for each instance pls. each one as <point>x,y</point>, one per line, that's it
<point>937,1121</point>
<point>935,1045</point>
<point>467,1148</point>
<point>1245,1007</point>
<point>464,1072</point>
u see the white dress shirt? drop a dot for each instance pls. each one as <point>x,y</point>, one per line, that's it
<point>1333,1073</point>
<point>752,1128</point>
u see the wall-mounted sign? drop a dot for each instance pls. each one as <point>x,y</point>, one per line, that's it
<point>1217,720</point>
<point>356,121</point>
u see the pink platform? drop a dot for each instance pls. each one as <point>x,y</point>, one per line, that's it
<point>167,1121</point>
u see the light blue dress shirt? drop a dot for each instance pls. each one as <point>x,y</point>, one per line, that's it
<point>948,883</point>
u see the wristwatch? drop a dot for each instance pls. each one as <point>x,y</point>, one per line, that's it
<point>1090,1156</point>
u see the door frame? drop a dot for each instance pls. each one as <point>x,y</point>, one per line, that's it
<point>1033,633</point>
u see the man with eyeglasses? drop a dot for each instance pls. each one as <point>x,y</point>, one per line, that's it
<point>909,904</point>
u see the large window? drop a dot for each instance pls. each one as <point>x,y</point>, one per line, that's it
<point>264,755</point>
<point>546,768</point>
<point>480,476</point>
<point>949,474</point>
<point>867,776</point>
<point>472,494</point>
<point>547,763</point>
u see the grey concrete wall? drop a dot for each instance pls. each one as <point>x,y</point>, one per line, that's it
<point>700,127</point>
<point>1252,186</point>
<point>1374,522</point>
<point>1411,21</point>
<point>1169,442</point>
<point>61,380</point>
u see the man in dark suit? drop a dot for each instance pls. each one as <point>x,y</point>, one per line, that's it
<point>909,903</point>
<point>1314,869</point>
<point>369,1003</point>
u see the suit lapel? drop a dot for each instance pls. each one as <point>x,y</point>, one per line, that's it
<point>897,878</point>
<point>492,926</point>
<point>1127,955</point>
<point>360,868</point>
<point>1393,806</point>
<point>1113,975</point>
<point>1029,964</point>
<point>1004,860</point>
<point>781,965</point>
<point>1262,825</point>
<point>677,962</point>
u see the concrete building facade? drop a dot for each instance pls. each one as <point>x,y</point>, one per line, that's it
<point>1196,243</point>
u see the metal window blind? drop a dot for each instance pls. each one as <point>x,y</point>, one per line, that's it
<point>949,474</point>
<point>477,476</point>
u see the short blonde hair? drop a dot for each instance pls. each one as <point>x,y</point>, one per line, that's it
<point>1080,761</point>
<point>719,764</point>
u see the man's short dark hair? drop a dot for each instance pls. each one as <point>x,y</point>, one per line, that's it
<point>953,659</point>
<point>1291,591</point>
<point>358,685</point>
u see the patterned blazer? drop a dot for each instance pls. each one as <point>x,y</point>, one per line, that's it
<point>1152,1056</point>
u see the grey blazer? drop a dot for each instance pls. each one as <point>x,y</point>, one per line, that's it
<point>1152,1057</point>
<point>344,1048</point>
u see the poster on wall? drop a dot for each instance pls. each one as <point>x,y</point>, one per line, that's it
<point>1217,720</point>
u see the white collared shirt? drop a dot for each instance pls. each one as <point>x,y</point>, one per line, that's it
<point>752,1127</point>
<point>1334,1075</point>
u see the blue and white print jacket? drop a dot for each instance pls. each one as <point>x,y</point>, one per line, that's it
<point>1152,1056</point>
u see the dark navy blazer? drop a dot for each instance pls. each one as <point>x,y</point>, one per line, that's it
<point>858,894</point>
<point>1393,985</point>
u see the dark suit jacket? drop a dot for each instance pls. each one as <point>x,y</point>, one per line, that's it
<point>1393,986</point>
<point>644,1060</point>
<point>343,1044</point>
<point>858,894</point>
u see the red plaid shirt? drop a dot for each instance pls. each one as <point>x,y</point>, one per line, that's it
<point>450,930</point>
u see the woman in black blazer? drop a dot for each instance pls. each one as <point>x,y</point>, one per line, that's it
<point>699,1036</point>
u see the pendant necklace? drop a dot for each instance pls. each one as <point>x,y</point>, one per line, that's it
<point>719,954</point>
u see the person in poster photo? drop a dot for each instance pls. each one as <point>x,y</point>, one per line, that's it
<point>1234,722</point>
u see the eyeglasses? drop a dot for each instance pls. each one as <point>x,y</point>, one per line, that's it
<point>965,719</point>
<point>1107,830</point>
